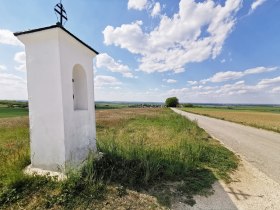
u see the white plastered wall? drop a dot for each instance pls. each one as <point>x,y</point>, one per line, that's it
<point>60,135</point>
<point>80,132</point>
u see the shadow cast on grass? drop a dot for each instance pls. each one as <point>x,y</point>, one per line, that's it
<point>174,174</point>
<point>160,173</point>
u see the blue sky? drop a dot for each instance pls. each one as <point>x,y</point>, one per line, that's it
<point>222,51</point>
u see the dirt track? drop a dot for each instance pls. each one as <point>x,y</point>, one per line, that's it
<point>259,147</point>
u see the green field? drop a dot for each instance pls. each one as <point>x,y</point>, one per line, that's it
<point>144,151</point>
<point>12,112</point>
<point>265,117</point>
<point>103,105</point>
<point>13,108</point>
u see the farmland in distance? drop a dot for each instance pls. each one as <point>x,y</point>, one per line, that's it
<point>265,117</point>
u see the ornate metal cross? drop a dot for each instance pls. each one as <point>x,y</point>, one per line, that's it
<point>59,9</point>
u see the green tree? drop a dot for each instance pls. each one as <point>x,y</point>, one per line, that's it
<point>172,102</point>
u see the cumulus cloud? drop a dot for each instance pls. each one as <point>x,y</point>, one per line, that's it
<point>3,67</point>
<point>233,75</point>
<point>224,91</point>
<point>136,4</point>
<point>20,58</point>
<point>105,61</point>
<point>238,92</point>
<point>255,5</point>
<point>197,32</point>
<point>102,80</point>
<point>7,37</point>
<point>267,82</point>
<point>156,9</point>
<point>224,76</point>
<point>12,87</point>
<point>128,36</point>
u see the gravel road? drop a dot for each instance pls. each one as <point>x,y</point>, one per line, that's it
<point>259,147</point>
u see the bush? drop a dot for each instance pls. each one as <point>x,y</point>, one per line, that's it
<point>171,102</point>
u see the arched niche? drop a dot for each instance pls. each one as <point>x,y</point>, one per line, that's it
<point>80,92</point>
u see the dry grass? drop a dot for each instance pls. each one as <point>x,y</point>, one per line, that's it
<point>149,146</point>
<point>131,126</point>
<point>14,147</point>
<point>132,200</point>
<point>154,128</point>
<point>112,201</point>
<point>114,117</point>
<point>265,120</point>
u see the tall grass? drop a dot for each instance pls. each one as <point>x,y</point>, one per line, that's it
<point>14,149</point>
<point>142,149</point>
<point>165,137</point>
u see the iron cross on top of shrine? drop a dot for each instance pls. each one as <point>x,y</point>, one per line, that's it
<point>59,9</point>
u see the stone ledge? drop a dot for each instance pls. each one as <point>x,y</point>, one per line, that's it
<point>58,176</point>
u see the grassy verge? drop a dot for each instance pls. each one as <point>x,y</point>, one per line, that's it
<point>265,118</point>
<point>153,151</point>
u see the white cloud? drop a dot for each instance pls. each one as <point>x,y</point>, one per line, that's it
<point>197,87</point>
<point>179,92</point>
<point>237,92</point>
<point>259,70</point>
<point>276,90</point>
<point>224,76</point>
<point>105,61</point>
<point>256,4</point>
<point>12,87</point>
<point>3,67</point>
<point>102,80</point>
<point>233,75</point>
<point>7,37</point>
<point>192,82</point>
<point>273,81</point>
<point>194,34</point>
<point>136,4</point>
<point>20,58</point>
<point>156,9</point>
<point>116,88</point>
<point>171,81</point>
<point>233,89</point>
<point>128,36</point>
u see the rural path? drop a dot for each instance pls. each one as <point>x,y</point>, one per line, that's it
<point>256,183</point>
<point>259,147</point>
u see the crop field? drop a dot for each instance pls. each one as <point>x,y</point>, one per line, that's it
<point>260,117</point>
<point>151,158</point>
<point>13,109</point>
<point>12,112</point>
<point>103,105</point>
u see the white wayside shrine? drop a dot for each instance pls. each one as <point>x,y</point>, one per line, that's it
<point>61,97</point>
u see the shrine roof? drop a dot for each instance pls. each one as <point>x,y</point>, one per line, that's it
<point>56,26</point>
